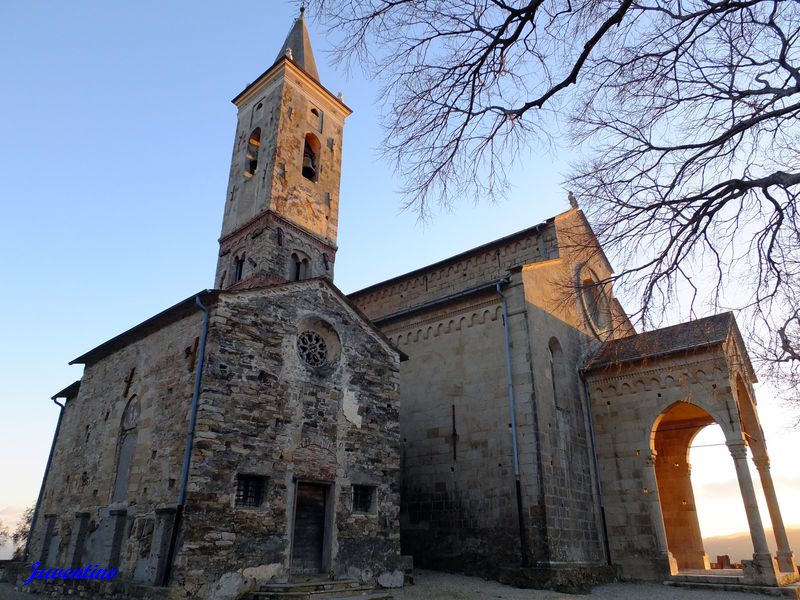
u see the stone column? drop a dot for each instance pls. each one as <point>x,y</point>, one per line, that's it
<point>786,561</point>
<point>47,538</point>
<point>656,517</point>
<point>162,536</point>
<point>119,515</point>
<point>760,570</point>
<point>80,529</point>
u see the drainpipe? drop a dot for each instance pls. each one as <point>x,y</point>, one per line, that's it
<point>44,480</point>
<point>187,456</point>
<point>598,483</point>
<point>512,405</point>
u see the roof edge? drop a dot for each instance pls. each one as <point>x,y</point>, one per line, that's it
<point>339,293</point>
<point>452,259</point>
<point>285,61</point>
<point>169,315</point>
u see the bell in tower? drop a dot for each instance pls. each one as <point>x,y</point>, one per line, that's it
<point>309,161</point>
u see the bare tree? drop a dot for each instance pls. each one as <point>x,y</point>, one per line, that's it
<point>20,535</point>
<point>683,115</point>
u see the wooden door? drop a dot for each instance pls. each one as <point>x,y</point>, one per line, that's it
<point>309,528</point>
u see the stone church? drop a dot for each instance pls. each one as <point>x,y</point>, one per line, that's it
<point>493,413</point>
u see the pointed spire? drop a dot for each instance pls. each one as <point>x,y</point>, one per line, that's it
<point>298,47</point>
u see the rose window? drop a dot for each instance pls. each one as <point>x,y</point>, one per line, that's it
<point>312,348</point>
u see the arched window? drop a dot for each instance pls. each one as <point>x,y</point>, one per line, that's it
<point>595,301</point>
<point>126,448</point>
<point>238,268</point>
<point>311,157</point>
<point>300,267</point>
<point>253,144</point>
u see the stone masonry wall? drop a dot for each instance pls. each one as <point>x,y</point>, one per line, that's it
<point>265,412</point>
<point>153,378</point>
<point>267,243</point>
<point>459,507</point>
<point>458,477</point>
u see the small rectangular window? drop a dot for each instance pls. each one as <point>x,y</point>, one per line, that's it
<point>250,490</point>
<point>238,269</point>
<point>363,498</point>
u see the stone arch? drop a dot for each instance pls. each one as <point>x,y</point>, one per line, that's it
<point>670,439</point>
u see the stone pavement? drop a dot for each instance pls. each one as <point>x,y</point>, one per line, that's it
<point>431,585</point>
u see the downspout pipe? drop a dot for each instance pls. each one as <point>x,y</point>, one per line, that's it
<point>598,482</point>
<point>187,456</point>
<point>512,406</point>
<point>39,499</point>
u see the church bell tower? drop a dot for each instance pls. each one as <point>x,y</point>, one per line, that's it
<point>282,206</point>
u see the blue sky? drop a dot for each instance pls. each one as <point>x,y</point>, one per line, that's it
<point>116,135</point>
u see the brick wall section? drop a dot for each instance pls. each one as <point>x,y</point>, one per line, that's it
<point>263,411</point>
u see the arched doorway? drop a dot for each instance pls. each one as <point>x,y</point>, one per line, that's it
<point>672,437</point>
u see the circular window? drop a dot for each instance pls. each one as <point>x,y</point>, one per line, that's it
<point>318,345</point>
<point>312,348</point>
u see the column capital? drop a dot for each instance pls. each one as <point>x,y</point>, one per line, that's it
<point>738,449</point>
<point>761,463</point>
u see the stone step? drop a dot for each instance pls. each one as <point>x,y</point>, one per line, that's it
<point>715,579</point>
<point>789,591</point>
<point>351,594</point>
<point>311,585</point>
<point>317,589</point>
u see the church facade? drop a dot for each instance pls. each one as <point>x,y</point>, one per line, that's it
<point>493,413</point>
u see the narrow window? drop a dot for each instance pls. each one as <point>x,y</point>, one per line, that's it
<point>315,118</point>
<point>559,375</point>
<point>238,268</point>
<point>363,497</point>
<point>311,157</point>
<point>249,490</point>
<point>295,266</point>
<point>299,267</point>
<point>126,448</point>
<point>254,116</point>
<point>253,144</point>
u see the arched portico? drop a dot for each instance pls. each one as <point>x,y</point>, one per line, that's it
<point>651,394</point>
<point>670,440</point>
